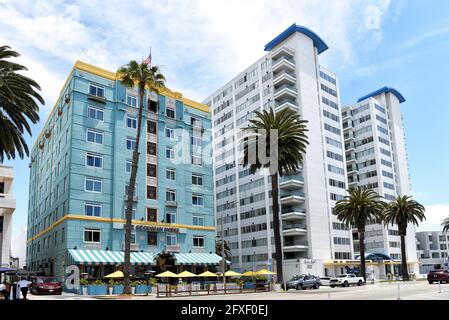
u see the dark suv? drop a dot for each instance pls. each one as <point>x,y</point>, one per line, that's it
<point>438,275</point>
<point>304,281</point>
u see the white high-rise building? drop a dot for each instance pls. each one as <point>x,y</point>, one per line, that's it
<point>7,207</point>
<point>433,250</point>
<point>289,75</point>
<point>376,158</point>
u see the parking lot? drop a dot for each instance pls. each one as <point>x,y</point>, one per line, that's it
<point>418,290</point>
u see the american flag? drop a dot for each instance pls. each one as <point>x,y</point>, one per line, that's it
<point>148,60</point>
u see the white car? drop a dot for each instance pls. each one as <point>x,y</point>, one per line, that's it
<point>345,280</point>
<point>325,281</point>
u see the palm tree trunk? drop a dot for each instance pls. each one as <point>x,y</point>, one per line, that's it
<point>130,200</point>
<point>362,253</point>
<point>404,270</point>
<point>277,228</point>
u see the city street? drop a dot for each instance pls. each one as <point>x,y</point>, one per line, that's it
<point>419,290</point>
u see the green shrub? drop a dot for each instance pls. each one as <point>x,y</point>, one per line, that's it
<point>98,283</point>
<point>84,282</point>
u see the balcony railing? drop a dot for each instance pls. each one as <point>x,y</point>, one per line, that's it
<point>294,226</point>
<point>297,194</point>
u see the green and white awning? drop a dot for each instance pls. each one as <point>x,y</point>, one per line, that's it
<point>198,259</point>
<point>106,257</point>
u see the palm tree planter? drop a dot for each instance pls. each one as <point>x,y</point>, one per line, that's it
<point>18,105</point>
<point>291,145</point>
<point>355,210</point>
<point>143,76</point>
<point>402,211</point>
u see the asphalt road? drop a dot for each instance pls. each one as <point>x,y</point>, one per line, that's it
<point>419,290</point>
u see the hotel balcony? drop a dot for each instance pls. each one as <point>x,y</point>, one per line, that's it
<point>284,77</point>
<point>351,159</point>
<point>171,203</point>
<point>293,246</point>
<point>293,214</point>
<point>7,202</point>
<point>292,183</point>
<point>283,63</point>
<point>285,92</point>
<point>294,229</point>
<point>293,199</point>
<point>282,52</point>
<point>286,104</point>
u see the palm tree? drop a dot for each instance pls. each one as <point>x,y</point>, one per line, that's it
<point>402,211</point>
<point>218,248</point>
<point>143,76</point>
<point>445,224</point>
<point>355,210</point>
<point>18,104</point>
<point>291,144</point>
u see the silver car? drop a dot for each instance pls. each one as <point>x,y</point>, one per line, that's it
<point>304,281</point>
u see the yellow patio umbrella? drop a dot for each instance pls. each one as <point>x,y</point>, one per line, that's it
<point>264,272</point>
<point>116,274</point>
<point>248,274</point>
<point>231,273</point>
<point>167,274</point>
<point>207,274</point>
<point>186,274</point>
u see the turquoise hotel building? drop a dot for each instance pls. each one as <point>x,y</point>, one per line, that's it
<point>80,167</point>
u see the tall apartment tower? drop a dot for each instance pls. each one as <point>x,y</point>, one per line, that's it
<point>287,76</point>
<point>80,168</point>
<point>7,208</point>
<point>376,158</point>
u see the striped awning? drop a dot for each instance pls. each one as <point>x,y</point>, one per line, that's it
<point>198,259</point>
<point>107,257</point>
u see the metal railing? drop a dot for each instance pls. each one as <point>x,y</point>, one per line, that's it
<point>201,289</point>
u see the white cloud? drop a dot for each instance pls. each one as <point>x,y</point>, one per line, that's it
<point>434,216</point>
<point>200,43</point>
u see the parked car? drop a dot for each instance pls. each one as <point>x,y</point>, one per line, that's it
<point>325,281</point>
<point>304,281</point>
<point>345,280</point>
<point>438,275</point>
<point>46,285</point>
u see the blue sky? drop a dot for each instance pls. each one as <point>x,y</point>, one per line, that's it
<point>200,44</point>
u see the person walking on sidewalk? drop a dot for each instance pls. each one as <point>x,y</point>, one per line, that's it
<point>23,285</point>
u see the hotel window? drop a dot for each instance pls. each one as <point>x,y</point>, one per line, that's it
<point>131,121</point>
<point>198,220</point>
<point>152,238</point>
<point>195,122</point>
<point>96,90</point>
<point>197,141</point>
<point>128,166</point>
<point>151,127</point>
<point>152,105</point>
<point>170,174</point>
<point>170,133</point>
<point>94,113</point>
<point>92,235</point>
<point>93,185</point>
<point>151,170</point>
<point>130,143</point>
<point>197,200</point>
<point>197,160</point>
<point>151,192</point>
<point>198,241</point>
<point>94,160</point>
<point>170,153</point>
<point>152,214</point>
<point>170,217</point>
<point>151,148</point>
<point>197,180</point>
<point>170,195</point>
<point>92,209</point>
<point>133,212</point>
<point>171,112</point>
<point>171,239</point>
<point>131,101</point>
<point>94,136</point>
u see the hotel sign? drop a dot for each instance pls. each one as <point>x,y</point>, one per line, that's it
<point>157,229</point>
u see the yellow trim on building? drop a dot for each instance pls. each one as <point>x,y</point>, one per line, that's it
<point>118,220</point>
